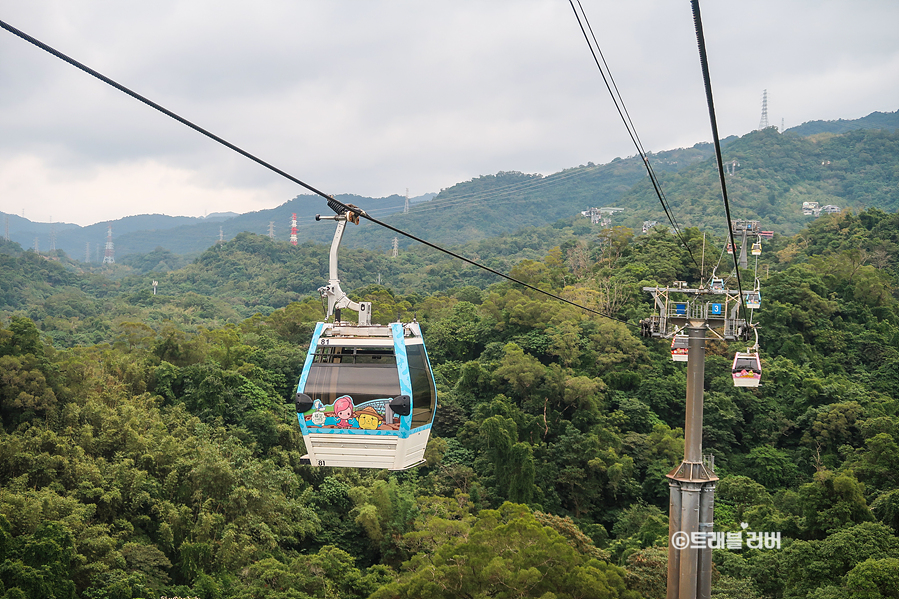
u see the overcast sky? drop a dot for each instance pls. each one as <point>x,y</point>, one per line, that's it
<point>374,97</point>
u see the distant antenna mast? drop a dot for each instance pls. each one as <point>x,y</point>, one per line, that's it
<point>52,235</point>
<point>781,125</point>
<point>271,229</point>
<point>293,228</point>
<point>406,207</point>
<point>221,236</point>
<point>36,248</point>
<point>109,254</point>
<point>396,247</point>
<point>87,252</point>
<point>763,124</point>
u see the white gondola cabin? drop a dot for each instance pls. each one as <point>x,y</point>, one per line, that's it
<point>747,369</point>
<point>717,285</point>
<point>757,248</point>
<point>366,397</point>
<point>680,348</point>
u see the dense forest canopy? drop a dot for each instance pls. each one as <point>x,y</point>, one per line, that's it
<point>149,449</point>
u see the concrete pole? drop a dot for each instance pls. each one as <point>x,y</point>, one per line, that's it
<point>695,387</point>
<point>689,556</point>
<point>674,525</point>
<point>688,567</point>
<point>743,262</point>
<point>706,518</point>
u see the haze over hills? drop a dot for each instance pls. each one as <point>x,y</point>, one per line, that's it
<point>771,175</point>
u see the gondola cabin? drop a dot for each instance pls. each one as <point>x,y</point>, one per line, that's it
<point>757,248</point>
<point>753,299</point>
<point>680,348</point>
<point>747,369</point>
<point>717,285</point>
<point>730,248</point>
<point>366,396</point>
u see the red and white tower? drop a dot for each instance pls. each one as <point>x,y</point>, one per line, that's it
<point>109,255</point>
<point>293,229</point>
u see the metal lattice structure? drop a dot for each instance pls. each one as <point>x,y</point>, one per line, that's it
<point>763,123</point>
<point>109,252</point>
<point>716,309</point>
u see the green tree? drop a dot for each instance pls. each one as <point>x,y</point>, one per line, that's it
<point>508,553</point>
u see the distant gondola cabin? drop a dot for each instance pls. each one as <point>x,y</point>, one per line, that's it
<point>680,348</point>
<point>747,369</point>
<point>753,299</point>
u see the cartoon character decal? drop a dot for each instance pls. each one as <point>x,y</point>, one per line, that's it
<point>343,414</point>
<point>343,409</point>
<point>369,419</point>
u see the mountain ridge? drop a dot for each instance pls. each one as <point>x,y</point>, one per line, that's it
<point>489,205</point>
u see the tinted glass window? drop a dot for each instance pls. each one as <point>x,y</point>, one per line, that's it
<point>748,364</point>
<point>424,395</point>
<point>354,355</point>
<point>363,373</point>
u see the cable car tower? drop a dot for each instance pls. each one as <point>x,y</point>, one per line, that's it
<point>702,311</point>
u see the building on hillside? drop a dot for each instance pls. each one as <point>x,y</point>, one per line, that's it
<point>810,209</point>
<point>600,216</point>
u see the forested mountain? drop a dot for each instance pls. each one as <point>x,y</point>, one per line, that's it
<point>888,121</point>
<point>158,455</point>
<point>773,174</point>
<point>847,163</point>
<point>177,234</point>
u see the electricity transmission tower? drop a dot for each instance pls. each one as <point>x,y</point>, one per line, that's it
<point>763,123</point>
<point>109,253</point>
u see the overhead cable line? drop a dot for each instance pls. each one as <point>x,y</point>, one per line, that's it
<point>607,78</point>
<point>332,202</point>
<point>703,59</point>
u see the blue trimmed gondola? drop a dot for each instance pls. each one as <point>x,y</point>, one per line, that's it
<point>366,397</point>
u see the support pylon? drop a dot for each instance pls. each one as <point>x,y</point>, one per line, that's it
<point>691,489</point>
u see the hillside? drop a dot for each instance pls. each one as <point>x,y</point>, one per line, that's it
<point>851,164</point>
<point>159,455</point>
<point>245,275</point>
<point>181,235</point>
<point>888,121</point>
<point>773,175</point>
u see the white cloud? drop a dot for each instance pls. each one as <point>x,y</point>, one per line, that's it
<point>373,97</point>
<point>106,192</point>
